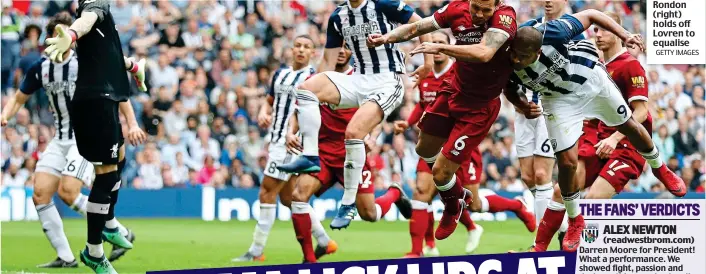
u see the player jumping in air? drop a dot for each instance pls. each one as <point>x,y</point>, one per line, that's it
<point>101,86</point>
<point>376,87</point>
<point>461,116</point>
<point>614,160</point>
<point>60,168</point>
<point>332,157</point>
<point>574,84</point>
<point>276,114</point>
<point>534,149</point>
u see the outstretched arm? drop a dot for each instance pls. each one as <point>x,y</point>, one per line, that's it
<point>482,52</point>
<point>405,32</point>
<point>328,63</point>
<point>13,106</point>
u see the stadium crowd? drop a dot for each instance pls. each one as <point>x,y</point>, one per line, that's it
<point>209,67</point>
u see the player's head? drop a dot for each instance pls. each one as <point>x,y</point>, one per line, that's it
<point>60,19</point>
<point>482,10</point>
<point>440,37</point>
<point>554,8</point>
<point>606,39</point>
<point>303,49</point>
<point>526,47</point>
<point>344,56</point>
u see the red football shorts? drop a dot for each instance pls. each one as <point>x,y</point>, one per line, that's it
<point>623,165</point>
<point>422,166</point>
<point>331,174</point>
<point>464,126</point>
<point>587,142</point>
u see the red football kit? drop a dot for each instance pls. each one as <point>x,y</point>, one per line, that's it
<point>469,102</point>
<point>625,163</point>
<point>429,89</point>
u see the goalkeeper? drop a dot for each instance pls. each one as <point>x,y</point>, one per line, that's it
<point>94,111</point>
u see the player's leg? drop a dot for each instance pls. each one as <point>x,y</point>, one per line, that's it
<point>551,222</point>
<point>435,126</point>
<point>421,198</point>
<point>269,189</point>
<point>112,222</point>
<point>305,221</point>
<point>496,203</point>
<point>315,90</point>
<point>372,209</point>
<point>90,118</point>
<point>542,167</point>
<point>610,107</point>
<point>46,183</point>
<point>430,249</point>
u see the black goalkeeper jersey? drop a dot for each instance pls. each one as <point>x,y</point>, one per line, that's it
<point>101,71</point>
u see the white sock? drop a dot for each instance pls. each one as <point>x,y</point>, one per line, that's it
<point>564,224</point>
<point>572,205</point>
<point>448,185</point>
<point>262,229</point>
<point>378,212</point>
<point>79,204</point>
<point>419,205</point>
<point>542,196</point>
<point>111,224</point>
<point>653,158</point>
<point>95,251</point>
<point>352,170</point>
<point>317,229</point>
<point>309,116</point>
<point>54,230</point>
<point>484,204</point>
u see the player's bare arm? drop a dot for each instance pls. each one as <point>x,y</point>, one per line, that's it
<point>293,142</point>
<point>135,134</point>
<point>592,16</point>
<point>606,146</point>
<point>264,117</point>
<point>513,94</point>
<point>403,33</point>
<point>14,104</point>
<point>482,52</point>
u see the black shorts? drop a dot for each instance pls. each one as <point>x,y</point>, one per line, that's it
<point>96,125</point>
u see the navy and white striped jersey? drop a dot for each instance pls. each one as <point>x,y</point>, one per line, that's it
<point>537,22</point>
<point>59,82</point>
<point>353,25</point>
<point>283,90</point>
<point>564,64</point>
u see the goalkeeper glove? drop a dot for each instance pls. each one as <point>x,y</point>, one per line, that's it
<point>60,44</point>
<point>138,72</point>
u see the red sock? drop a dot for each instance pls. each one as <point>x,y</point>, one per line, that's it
<point>467,221</point>
<point>550,224</point>
<point>302,228</point>
<point>429,235</point>
<point>498,204</point>
<point>451,196</point>
<point>417,227</point>
<point>385,201</point>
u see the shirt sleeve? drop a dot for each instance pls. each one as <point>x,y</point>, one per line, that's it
<point>561,30</point>
<point>33,79</point>
<point>99,7</point>
<point>504,21</point>
<point>636,82</point>
<point>441,17</point>
<point>396,10</point>
<point>333,31</point>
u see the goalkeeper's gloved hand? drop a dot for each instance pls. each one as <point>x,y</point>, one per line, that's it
<point>60,44</point>
<point>138,72</point>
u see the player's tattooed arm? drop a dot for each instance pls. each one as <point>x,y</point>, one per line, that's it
<point>405,32</point>
<point>482,52</point>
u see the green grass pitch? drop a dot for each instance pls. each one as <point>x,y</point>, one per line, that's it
<point>163,244</point>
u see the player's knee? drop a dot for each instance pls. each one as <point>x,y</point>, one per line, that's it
<point>267,197</point>
<point>424,151</point>
<point>68,192</point>
<point>368,214</point>
<point>476,206</point>
<point>541,176</point>
<point>41,196</point>
<point>528,178</point>
<point>299,196</point>
<point>310,84</point>
<point>353,132</point>
<point>568,164</point>
<point>286,200</point>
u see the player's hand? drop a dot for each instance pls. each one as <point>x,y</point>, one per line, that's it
<point>294,144</point>
<point>58,45</point>
<point>264,120</point>
<point>400,126</point>
<point>420,73</point>
<point>375,40</point>
<point>426,47</point>
<point>3,121</point>
<point>138,72</point>
<point>635,41</point>
<point>606,147</point>
<point>532,111</point>
<point>135,135</point>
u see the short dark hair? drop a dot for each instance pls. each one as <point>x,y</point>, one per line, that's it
<point>63,18</point>
<point>448,38</point>
<point>528,38</point>
<point>305,36</point>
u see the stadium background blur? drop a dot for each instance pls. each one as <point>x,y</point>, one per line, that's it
<point>209,65</point>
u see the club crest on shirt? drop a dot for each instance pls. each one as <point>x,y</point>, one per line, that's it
<point>372,15</point>
<point>637,81</point>
<point>505,20</point>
